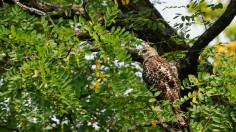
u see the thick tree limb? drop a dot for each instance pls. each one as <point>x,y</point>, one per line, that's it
<point>192,56</point>
<point>166,40</point>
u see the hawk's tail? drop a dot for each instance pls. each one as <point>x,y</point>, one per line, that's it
<point>181,120</point>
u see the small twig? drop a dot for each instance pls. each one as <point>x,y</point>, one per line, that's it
<point>33,10</point>
<point>69,51</point>
<point>189,118</point>
<point>203,20</point>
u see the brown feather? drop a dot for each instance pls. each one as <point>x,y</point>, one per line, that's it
<point>158,73</point>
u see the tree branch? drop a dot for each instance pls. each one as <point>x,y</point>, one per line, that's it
<point>166,39</point>
<point>225,19</point>
<point>7,128</point>
<point>40,7</point>
<point>134,55</point>
<point>32,10</point>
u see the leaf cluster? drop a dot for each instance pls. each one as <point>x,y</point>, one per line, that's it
<point>51,80</point>
<point>213,104</point>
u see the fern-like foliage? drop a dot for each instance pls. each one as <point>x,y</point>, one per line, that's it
<point>213,103</point>
<point>48,82</point>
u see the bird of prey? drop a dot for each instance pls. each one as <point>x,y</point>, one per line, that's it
<point>160,77</point>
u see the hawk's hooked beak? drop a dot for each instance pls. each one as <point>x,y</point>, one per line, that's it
<point>141,53</point>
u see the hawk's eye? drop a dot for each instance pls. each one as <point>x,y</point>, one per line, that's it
<point>144,51</point>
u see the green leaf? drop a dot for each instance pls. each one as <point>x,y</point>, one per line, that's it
<point>187,18</point>
<point>157,94</point>
<point>152,100</point>
<point>157,108</point>
<point>220,6</point>
<point>60,19</point>
<point>161,26</point>
<point>111,14</point>
<point>183,18</point>
<point>188,35</point>
<point>200,96</point>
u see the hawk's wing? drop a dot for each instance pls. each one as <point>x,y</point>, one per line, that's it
<point>158,72</point>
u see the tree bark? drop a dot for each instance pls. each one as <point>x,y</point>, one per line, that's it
<point>165,39</point>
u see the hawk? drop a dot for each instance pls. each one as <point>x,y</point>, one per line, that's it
<point>158,75</point>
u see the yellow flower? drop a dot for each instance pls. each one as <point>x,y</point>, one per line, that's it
<point>154,123</point>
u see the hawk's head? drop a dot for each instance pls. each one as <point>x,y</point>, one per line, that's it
<point>147,51</point>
